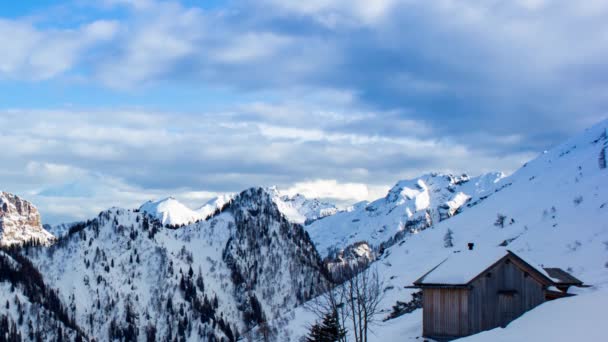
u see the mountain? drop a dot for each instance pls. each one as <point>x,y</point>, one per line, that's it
<point>214,204</point>
<point>20,222</point>
<point>124,275</point>
<point>299,209</point>
<point>552,212</point>
<point>171,212</point>
<point>410,205</point>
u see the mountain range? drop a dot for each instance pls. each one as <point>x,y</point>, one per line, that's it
<point>242,265</point>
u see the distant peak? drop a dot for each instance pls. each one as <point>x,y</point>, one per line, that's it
<point>170,211</point>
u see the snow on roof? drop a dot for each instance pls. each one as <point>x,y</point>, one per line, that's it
<point>461,267</point>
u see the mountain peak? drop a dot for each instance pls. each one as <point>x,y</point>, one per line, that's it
<point>20,222</point>
<point>170,211</point>
<point>299,209</point>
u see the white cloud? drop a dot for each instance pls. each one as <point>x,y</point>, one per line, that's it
<point>37,54</point>
<point>95,160</point>
<point>249,47</point>
<point>334,13</point>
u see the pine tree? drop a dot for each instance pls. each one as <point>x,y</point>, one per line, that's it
<point>327,331</point>
<point>448,239</point>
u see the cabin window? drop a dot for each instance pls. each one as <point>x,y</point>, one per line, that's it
<point>489,275</point>
<point>508,261</point>
<point>526,274</point>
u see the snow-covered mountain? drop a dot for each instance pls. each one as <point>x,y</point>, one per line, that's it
<point>214,204</point>
<point>553,212</point>
<point>296,208</point>
<point>170,211</point>
<point>410,205</point>
<point>20,222</point>
<point>301,210</point>
<point>123,274</point>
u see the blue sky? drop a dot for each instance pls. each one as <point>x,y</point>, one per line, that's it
<point>115,102</point>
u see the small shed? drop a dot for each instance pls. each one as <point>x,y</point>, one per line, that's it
<point>473,291</point>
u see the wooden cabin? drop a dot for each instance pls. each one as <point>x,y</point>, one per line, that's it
<point>471,292</point>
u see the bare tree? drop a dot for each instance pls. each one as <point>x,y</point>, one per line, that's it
<point>356,301</point>
<point>363,297</point>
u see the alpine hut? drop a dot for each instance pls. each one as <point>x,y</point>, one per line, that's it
<point>471,291</point>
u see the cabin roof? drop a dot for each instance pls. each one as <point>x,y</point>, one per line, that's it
<point>463,267</point>
<point>562,277</point>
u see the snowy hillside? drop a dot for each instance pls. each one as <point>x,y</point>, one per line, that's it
<point>29,309</point>
<point>410,205</point>
<point>553,212</point>
<point>20,222</point>
<point>170,211</point>
<point>125,275</point>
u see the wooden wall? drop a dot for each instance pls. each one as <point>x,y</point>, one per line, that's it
<point>445,312</point>
<point>488,303</point>
<point>502,297</point>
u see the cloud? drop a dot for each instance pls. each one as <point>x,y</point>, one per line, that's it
<point>360,93</point>
<point>38,54</point>
<point>456,65</point>
<point>104,158</point>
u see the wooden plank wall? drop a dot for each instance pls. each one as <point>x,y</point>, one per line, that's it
<point>488,309</point>
<point>445,312</point>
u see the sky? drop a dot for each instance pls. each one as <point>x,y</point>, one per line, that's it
<point>115,102</point>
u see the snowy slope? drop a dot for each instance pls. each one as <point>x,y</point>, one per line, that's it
<point>122,273</point>
<point>20,222</point>
<point>410,205</point>
<point>170,211</point>
<point>29,309</point>
<point>555,214</point>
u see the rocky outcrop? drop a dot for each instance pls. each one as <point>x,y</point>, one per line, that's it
<point>20,222</point>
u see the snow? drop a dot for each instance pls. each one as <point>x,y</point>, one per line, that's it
<point>416,203</point>
<point>213,204</point>
<point>296,208</point>
<point>460,268</point>
<point>170,211</point>
<point>299,209</point>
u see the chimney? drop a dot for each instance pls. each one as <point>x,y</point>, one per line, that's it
<point>471,245</point>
